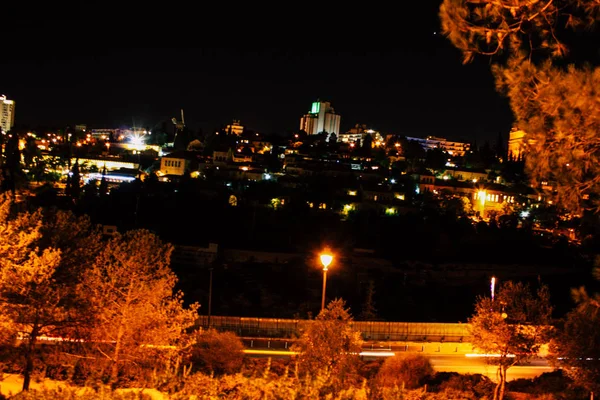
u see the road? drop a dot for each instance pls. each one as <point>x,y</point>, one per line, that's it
<point>467,365</point>
<point>460,363</point>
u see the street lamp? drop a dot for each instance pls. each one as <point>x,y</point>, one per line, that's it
<point>210,295</point>
<point>493,287</point>
<point>326,259</point>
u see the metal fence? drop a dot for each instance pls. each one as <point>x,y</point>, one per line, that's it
<point>370,330</point>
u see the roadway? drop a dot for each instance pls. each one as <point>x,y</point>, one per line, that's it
<point>478,365</point>
<point>461,362</point>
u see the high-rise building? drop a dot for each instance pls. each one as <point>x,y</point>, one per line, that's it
<point>320,118</point>
<point>7,114</point>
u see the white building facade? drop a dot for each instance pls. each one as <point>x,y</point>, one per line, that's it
<point>7,114</point>
<point>321,118</point>
<point>452,148</point>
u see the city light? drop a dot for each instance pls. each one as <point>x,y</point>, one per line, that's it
<point>481,196</point>
<point>136,139</point>
<point>326,260</point>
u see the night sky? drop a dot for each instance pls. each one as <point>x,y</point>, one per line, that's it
<point>109,66</point>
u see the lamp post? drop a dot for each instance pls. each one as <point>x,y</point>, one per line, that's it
<point>326,259</point>
<point>210,295</point>
<point>493,287</point>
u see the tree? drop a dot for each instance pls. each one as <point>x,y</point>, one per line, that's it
<point>436,159</point>
<point>577,345</point>
<point>75,188</point>
<point>32,303</point>
<point>512,326</point>
<point>541,67</point>
<point>33,160</point>
<point>329,345</point>
<point>138,316</point>
<point>369,312</point>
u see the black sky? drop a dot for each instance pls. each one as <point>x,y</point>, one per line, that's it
<point>109,66</point>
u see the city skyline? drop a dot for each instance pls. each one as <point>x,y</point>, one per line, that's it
<point>398,75</point>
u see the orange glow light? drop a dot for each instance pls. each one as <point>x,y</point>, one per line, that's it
<point>326,259</point>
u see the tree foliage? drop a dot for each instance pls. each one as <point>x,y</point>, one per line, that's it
<point>330,345</point>
<point>552,91</point>
<point>32,303</point>
<point>577,345</point>
<point>137,314</point>
<point>513,326</point>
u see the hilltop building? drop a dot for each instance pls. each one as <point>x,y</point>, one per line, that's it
<point>7,114</point>
<point>320,118</point>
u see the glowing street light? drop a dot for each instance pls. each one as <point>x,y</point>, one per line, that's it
<point>326,259</point>
<point>493,287</point>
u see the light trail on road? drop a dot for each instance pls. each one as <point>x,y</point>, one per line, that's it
<point>459,363</point>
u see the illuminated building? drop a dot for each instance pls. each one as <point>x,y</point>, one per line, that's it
<point>101,163</point>
<point>320,118</point>
<point>174,164</point>
<point>452,148</point>
<point>517,144</point>
<point>104,133</point>
<point>234,128</point>
<point>358,133</point>
<point>7,114</point>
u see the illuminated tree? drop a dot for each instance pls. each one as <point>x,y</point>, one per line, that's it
<point>330,346</point>
<point>553,94</point>
<point>32,304</point>
<point>578,341</point>
<point>512,327</point>
<point>138,316</point>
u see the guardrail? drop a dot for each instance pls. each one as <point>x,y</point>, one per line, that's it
<point>370,330</point>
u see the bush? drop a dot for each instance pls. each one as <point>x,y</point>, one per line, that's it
<point>217,352</point>
<point>479,385</point>
<point>555,382</point>
<point>369,369</point>
<point>410,370</point>
<point>267,367</point>
<point>86,394</point>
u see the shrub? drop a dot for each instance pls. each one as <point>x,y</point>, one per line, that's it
<point>411,370</point>
<point>548,382</point>
<point>217,352</point>
<point>479,385</point>
<point>267,367</point>
<point>369,369</point>
<point>72,394</point>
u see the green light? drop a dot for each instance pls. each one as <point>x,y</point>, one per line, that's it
<point>316,106</point>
